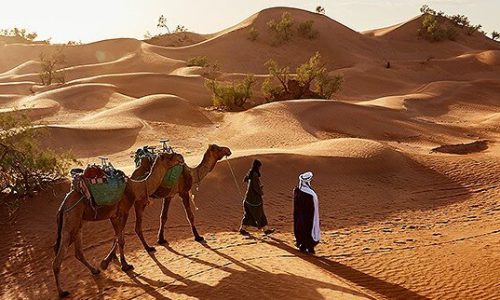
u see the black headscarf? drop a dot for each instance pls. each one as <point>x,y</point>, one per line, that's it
<point>255,168</point>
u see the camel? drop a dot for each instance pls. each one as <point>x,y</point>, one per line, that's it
<point>75,209</point>
<point>183,187</point>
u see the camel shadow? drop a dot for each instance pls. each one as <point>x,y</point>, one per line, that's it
<point>379,286</point>
<point>241,280</point>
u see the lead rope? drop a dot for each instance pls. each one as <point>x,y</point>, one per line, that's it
<point>191,196</point>
<point>234,177</point>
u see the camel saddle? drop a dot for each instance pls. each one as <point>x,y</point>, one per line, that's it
<point>171,177</point>
<point>101,185</point>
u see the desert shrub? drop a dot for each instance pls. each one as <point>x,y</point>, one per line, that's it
<point>180,28</point>
<point>276,73</point>
<point>326,86</point>
<point>231,95</point>
<point>472,29</point>
<point>50,65</point>
<point>320,10</point>
<point>211,71</point>
<point>312,71</point>
<point>306,30</point>
<point>495,35</point>
<point>26,167</point>
<point>197,61</point>
<point>432,27</point>
<point>253,34</point>
<point>282,29</point>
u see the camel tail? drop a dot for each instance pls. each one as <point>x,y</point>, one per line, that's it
<point>59,217</point>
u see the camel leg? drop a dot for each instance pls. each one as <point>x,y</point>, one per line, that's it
<point>190,216</point>
<point>139,211</point>
<point>79,253</point>
<point>121,243</point>
<point>56,264</point>
<point>163,220</point>
<point>112,252</point>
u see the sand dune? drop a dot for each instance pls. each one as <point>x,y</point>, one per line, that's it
<point>390,207</point>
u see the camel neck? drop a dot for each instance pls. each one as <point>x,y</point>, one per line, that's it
<point>149,184</point>
<point>205,167</point>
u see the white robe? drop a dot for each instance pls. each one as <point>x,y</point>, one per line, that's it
<point>316,232</point>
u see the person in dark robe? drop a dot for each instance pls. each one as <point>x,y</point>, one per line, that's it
<point>306,215</point>
<point>253,204</point>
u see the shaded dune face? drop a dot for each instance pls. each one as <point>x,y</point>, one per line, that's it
<point>399,220</point>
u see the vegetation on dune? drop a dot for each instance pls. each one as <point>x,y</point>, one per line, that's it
<point>20,35</point>
<point>50,65</point>
<point>306,30</point>
<point>282,29</point>
<point>232,95</point>
<point>437,26</point>
<point>253,34</point>
<point>432,30</point>
<point>19,32</point>
<point>281,85</point>
<point>495,35</point>
<point>25,167</point>
<point>197,61</point>
<point>320,10</point>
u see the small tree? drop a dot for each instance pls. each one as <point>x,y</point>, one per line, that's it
<point>253,34</point>
<point>49,67</point>
<point>24,165</point>
<point>320,10</point>
<point>306,30</point>
<point>282,29</point>
<point>162,23</point>
<point>231,95</point>
<point>495,35</point>
<point>299,86</point>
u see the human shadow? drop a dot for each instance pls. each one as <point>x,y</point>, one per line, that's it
<point>379,286</point>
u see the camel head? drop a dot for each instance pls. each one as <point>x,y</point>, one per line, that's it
<point>218,152</point>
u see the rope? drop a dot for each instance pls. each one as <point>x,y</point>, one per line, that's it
<point>191,196</point>
<point>234,177</point>
<point>76,203</point>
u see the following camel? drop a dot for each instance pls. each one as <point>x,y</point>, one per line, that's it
<point>75,209</point>
<point>182,187</point>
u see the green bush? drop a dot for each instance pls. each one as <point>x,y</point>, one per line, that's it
<point>232,95</point>
<point>282,29</point>
<point>253,34</point>
<point>198,61</point>
<point>306,30</point>
<point>24,165</point>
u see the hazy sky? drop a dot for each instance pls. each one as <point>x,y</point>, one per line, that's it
<point>91,20</point>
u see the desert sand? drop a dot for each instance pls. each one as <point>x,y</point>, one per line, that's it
<point>399,221</point>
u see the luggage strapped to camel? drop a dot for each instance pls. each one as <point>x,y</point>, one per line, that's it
<point>173,174</point>
<point>101,185</point>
